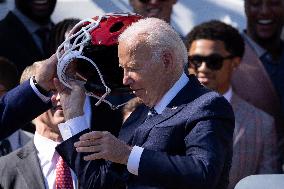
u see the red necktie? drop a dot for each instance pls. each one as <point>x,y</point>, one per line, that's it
<point>63,175</point>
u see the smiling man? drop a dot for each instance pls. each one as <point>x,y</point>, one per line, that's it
<point>259,78</point>
<point>161,9</point>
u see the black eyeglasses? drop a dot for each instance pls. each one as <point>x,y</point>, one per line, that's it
<point>213,61</point>
<point>147,1</point>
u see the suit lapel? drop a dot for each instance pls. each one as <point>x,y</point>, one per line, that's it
<point>240,124</point>
<point>142,132</point>
<point>23,36</point>
<point>252,59</point>
<point>187,94</point>
<point>29,167</point>
<point>134,121</point>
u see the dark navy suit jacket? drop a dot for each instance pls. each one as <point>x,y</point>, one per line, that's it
<point>189,145</point>
<point>17,43</point>
<point>18,107</point>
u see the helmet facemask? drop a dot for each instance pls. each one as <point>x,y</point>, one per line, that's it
<point>91,62</point>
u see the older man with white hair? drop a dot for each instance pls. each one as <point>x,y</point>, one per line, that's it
<point>180,138</point>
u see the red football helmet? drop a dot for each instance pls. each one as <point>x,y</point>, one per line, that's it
<point>89,55</point>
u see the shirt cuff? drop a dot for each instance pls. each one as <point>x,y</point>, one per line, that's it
<point>41,96</point>
<point>134,160</point>
<point>72,127</point>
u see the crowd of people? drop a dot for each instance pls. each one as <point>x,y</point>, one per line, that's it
<point>205,110</point>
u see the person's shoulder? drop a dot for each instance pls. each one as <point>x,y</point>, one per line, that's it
<point>10,159</point>
<point>240,105</point>
<point>210,104</point>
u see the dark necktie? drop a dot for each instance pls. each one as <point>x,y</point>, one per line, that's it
<point>43,34</point>
<point>5,147</point>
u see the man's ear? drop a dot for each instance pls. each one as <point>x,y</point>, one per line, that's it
<point>168,60</point>
<point>236,62</point>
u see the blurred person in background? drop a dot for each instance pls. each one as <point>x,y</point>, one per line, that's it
<point>8,80</point>
<point>25,32</point>
<point>59,33</point>
<point>161,9</point>
<point>215,50</point>
<point>259,78</point>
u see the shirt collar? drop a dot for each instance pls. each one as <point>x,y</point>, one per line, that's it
<point>228,94</point>
<point>258,49</point>
<point>30,25</point>
<point>167,98</point>
<point>45,146</point>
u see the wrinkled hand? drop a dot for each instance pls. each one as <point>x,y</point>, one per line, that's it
<point>72,101</point>
<point>45,71</point>
<point>103,145</point>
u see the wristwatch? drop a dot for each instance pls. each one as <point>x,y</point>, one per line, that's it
<point>39,88</point>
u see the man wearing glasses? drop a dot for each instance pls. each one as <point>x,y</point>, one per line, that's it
<point>215,49</point>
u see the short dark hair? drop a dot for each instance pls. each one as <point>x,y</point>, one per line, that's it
<point>57,34</point>
<point>217,30</point>
<point>8,74</point>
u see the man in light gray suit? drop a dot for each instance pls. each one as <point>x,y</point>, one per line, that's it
<point>34,166</point>
<point>215,49</point>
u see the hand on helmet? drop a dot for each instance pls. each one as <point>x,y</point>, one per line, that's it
<point>45,72</point>
<point>72,101</point>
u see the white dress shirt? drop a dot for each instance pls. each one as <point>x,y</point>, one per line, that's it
<point>78,124</point>
<point>228,94</point>
<point>48,158</point>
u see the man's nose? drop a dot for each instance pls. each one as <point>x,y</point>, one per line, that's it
<point>202,67</point>
<point>126,78</point>
<point>57,96</point>
<point>265,8</point>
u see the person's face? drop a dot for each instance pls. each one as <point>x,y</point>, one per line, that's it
<point>265,19</point>
<point>56,112</point>
<point>37,10</point>
<point>2,90</point>
<point>146,78</point>
<point>161,9</point>
<point>52,117</point>
<point>215,79</point>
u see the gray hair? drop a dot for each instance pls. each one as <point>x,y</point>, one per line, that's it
<point>159,35</point>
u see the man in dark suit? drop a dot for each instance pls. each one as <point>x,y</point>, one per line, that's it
<point>24,32</point>
<point>25,102</point>
<point>185,141</point>
<point>8,80</point>
<point>37,164</point>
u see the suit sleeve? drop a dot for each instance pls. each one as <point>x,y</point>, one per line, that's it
<point>18,107</point>
<point>208,147</point>
<point>271,158</point>
<point>92,174</point>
